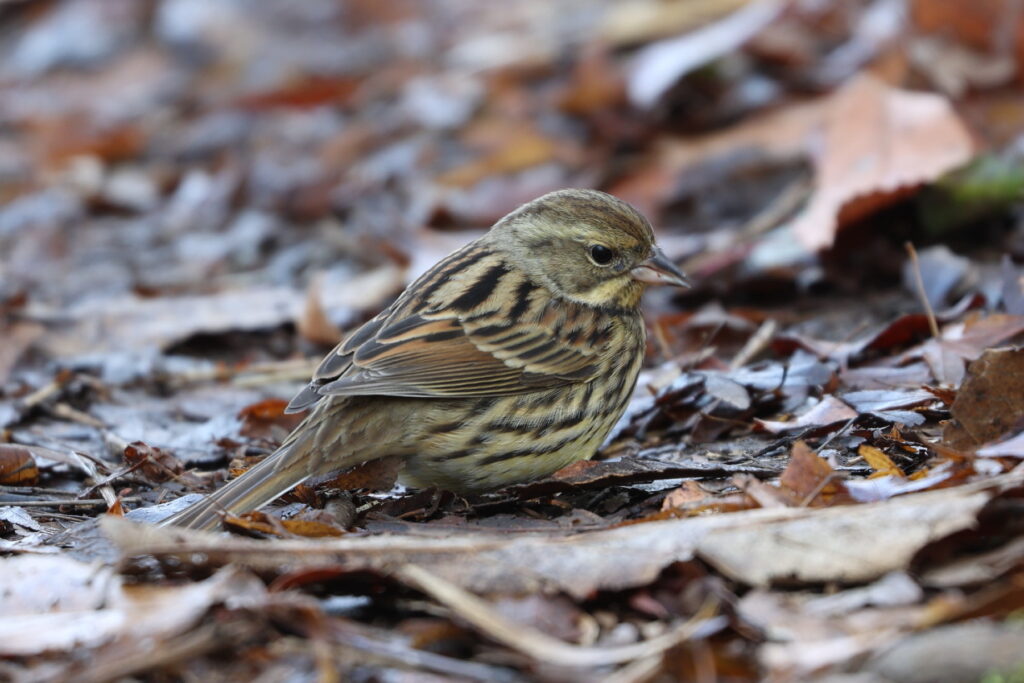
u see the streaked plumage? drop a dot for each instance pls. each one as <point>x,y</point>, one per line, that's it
<point>509,359</point>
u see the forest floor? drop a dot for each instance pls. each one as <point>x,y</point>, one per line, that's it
<point>820,476</point>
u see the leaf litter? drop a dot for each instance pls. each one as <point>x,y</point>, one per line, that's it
<point>819,474</point>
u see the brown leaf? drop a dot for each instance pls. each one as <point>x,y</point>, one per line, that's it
<point>374,475</point>
<point>306,93</point>
<point>688,493</point>
<point>154,464</point>
<point>509,148</point>
<point>17,466</point>
<point>984,25</point>
<point>314,324</point>
<point>878,143</point>
<point>117,510</point>
<point>267,419</point>
<point>810,480</point>
<point>990,402</point>
<point>309,528</point>
<point>764,495</point>
<point>596,84</point>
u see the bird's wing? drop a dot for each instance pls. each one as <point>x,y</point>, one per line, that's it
<point>480,330</point>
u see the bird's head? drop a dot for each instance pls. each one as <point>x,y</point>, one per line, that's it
<point>586,246</point>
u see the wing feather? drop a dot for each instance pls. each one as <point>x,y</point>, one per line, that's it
<point>472,326</point>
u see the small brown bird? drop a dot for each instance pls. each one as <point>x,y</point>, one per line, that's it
<point>509,359</point>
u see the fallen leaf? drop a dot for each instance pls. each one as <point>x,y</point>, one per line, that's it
<point>314,324</point>
<point>267,419</point>
<point>73,605</point>
<point>1014,447</point>
<point>968,651</point>
<point>510,148</point>
<point>17,466</point>
<point>154,464</point>
<point>877,143</point>
<point>688,493</point>
<point>636,21</point>
<point>990,402</point>
<point>659,66</point>
<point>378,474</point>
<point>828,411</point>
<point>846,544</point>
<point>810,480</point>
<point>18,338</point>
<point>879,461</point>
<point>137,323</point>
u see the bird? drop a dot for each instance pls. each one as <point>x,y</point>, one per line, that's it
<point>509,359</point>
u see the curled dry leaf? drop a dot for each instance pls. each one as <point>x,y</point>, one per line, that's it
<point>877,143</point>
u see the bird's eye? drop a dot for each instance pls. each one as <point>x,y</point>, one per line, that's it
<point>601,255</point>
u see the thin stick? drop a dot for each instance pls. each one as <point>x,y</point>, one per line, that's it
<point>85,502</point>
<point>933,325</point>
<point>542,647</point>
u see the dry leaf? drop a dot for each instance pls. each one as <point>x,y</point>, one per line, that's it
<point>267,419</point>
<point>660,66</point>
<point>877,143</point>
<point>879,461</point>
<point>990,403</point>
<point>509,148</point>
<point>829,410</point>
<point>1014,446</point>
<point>845,544</point>
<point>314,324</point>
<point>378,474</point>
<point>811,480</point>
<point>60,615</point>
<point>17,466</point>
<point>154,464</point>
<point>636,21</point>
<point>688,493</point>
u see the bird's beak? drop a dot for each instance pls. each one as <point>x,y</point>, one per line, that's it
<point>658,270</point>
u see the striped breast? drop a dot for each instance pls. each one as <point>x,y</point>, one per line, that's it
<point>486,443</point>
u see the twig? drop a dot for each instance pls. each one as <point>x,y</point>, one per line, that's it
<point>357,637</point>
<point>85,502</point>
<point>543,647</point>
<point>933,325</point>
<point>755,344</point>
<point>173,651</point>
<point>75,415</point>
<point>782,206</point>
<point>41,394</point>
<point>636,672</point>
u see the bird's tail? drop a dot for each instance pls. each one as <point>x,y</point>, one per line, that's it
<point>261,484</point>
